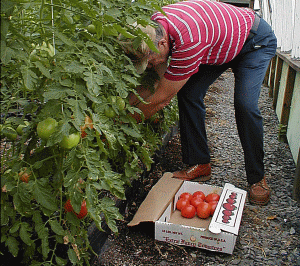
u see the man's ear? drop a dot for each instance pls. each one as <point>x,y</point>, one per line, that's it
<point>163,42</point>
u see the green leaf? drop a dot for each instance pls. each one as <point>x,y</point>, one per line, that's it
<point>45,247</point>
<point>130,131</point>
<point>113,182</point>
<point>123,31</point>
<point>74,67</point>
<point>4,215</point>
<point>6,54</point>
<point>64,38</point>
<point>13,245</point>
<point>56,227</point>
<point>72,256</point>
<point>41,230</point>
<point>93,82</point>
<point>43,69</point>
<point>29,77</point>
<point>43,194</point>
<point>25,235</point>
<point>111,213</point>
<point>60,261</point>
<point>15,227</point>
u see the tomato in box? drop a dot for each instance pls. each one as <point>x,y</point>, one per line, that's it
<point>186,195</point>
<point>199,194</point>
<point>188,211</point>
<point>181,203</point>
<point>203,210</point>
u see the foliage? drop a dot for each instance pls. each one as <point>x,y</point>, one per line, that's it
<point>55,64</point>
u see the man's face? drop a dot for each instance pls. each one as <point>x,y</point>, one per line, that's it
<point>155,59</point>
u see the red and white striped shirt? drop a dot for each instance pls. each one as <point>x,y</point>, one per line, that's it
<point>203,32</point>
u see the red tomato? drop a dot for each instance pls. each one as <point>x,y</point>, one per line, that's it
<point>195,201</point>
<point>212,197</point>
<point>87,123</point>
<point>203,210</point>
<point>83,211</point>
<point>181,203</point>
<point>68,206</point>
<point>186,195</point>
<point>188,211</point>
<point>199,194</point>
<point>24,176</point>
<point>213,205</point>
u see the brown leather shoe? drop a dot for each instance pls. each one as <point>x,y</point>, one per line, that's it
<point>259,193</point>
<point>198,172</point>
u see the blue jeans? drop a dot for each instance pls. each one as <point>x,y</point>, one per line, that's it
<point>249,68</point>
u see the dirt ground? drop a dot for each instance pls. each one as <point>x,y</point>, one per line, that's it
<point>268,235</point>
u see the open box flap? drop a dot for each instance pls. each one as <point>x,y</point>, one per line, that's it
<point>157,200</point>
<point>228,214</point>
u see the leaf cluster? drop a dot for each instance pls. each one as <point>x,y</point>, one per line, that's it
<point>52,65</point>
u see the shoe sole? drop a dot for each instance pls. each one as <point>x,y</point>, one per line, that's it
<point>197,179</point>
<point>261,203</point>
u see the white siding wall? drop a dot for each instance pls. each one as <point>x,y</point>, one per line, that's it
<point>284,17</point>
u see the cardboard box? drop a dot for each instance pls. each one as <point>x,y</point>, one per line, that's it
<point>217,233</point>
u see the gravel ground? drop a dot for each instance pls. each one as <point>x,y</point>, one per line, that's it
<point>268,235</point>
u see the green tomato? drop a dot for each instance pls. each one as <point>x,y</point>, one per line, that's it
<point>9,133</point>
<point>68,142</point>
<point>113,99</point>
<point>46,127</point>
<point>91,28</point>
<point>109,112</point>
<point>120,103</point>
<point>21,127</point>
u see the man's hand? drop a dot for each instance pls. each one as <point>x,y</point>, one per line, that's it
<point>165,91</point>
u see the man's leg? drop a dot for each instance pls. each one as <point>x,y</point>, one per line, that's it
<point>249,69</point>
<point>192,115</point>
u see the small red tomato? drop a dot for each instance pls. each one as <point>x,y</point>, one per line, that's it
<point>68,206</point>
<point>213,205</point>
<point>188,211</point>
<point>212,197</point>
<point>83,211</point>
<point>195,201</point>
<point>186,195</point>
<point>181,203</point>
<point>203,210</point>
<point>199,194</point>
<point>24,177</point>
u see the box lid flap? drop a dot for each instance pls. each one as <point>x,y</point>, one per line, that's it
<point>228,214</point>
<point>157,200</point>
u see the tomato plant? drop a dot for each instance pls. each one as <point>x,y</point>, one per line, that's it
<point>57,69</point>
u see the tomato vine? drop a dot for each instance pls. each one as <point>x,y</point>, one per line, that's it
<point>56,66</point>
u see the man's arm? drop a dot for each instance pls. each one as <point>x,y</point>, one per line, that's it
<point>165,91</point>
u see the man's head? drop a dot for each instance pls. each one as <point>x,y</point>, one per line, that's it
<point>143,56</point>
